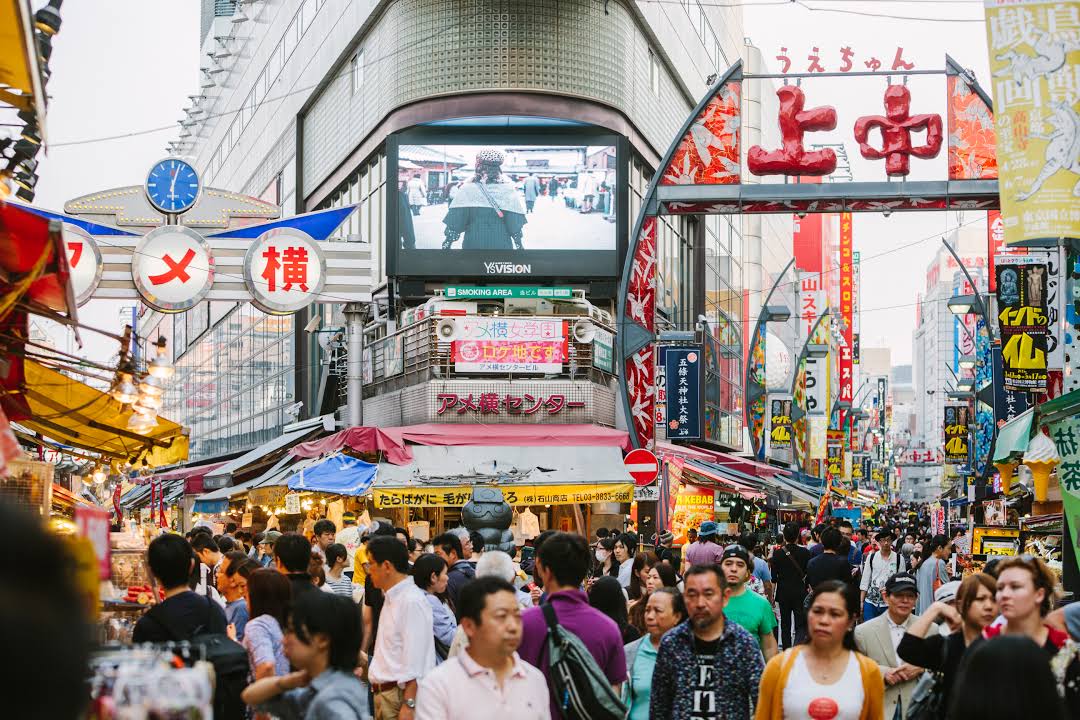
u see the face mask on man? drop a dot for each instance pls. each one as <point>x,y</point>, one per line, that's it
<point>602,555</point>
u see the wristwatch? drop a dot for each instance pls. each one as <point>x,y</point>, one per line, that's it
<point>410,703</point>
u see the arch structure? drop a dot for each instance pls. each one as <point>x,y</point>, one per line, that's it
<point>701,173</point>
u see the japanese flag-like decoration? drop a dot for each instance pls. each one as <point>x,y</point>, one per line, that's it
<point>640,309</point>
<point>709,152</point>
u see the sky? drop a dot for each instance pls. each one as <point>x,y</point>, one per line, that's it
<point>127,66</point>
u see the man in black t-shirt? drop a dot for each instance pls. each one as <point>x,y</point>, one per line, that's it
<point>830,564</point>
<point>182,613</point>
<point>789,564</point>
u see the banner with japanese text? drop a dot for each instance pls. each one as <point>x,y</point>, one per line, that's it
<point>456,496</point>
<point>1066,435</point>
<point>1023,320</point>
<point>507,345</point>
<point>683,378</point>
<point>847,310</point>
<point>780,424</point>
<point>956,433</point>
<point>834,460</point>
<point>1034,55</point>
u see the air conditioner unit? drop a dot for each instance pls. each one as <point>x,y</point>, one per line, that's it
<point>447,330</point>
<point>527,306</point>
<point>584,331</point>
<point>599,315</point>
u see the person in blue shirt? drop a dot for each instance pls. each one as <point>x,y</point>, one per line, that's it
<point>855,550</point>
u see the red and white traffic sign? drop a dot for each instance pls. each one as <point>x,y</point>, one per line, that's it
<point>642,466</point>
<point>284,271</point>
<point>173,268</point>
<point>84,261</point>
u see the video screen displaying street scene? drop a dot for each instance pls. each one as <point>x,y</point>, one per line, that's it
<point>506,197</point>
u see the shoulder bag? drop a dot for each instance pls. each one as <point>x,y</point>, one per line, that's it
<point>928,698</point>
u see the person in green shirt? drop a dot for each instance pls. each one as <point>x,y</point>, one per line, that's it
<point>744,607</point>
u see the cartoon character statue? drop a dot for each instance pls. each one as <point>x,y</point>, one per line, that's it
<point>488,514</point>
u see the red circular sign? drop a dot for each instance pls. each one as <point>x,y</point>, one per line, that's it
<point>642,466</point>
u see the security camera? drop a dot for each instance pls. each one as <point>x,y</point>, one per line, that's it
<point>313,324</point>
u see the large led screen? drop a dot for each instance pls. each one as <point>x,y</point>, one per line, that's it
<point>506,208</point>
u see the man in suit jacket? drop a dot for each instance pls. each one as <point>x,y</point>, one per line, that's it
<point>878,638</point>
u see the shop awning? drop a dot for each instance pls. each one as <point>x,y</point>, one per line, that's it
<point>747,466</point>
<point>339,475</point>
<point>73,413</point>
<point>797,489</point>
<point>1013,436</point>
<point>276,476</point>
<point>724,478</point>
<point>192,475</point>
<point>441,476</point>
<point>253,460</point>
<point>20,74</point>
<point>34,263</point>
<point>393,442</point>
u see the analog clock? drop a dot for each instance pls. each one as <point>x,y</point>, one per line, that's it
<point>172,186</point>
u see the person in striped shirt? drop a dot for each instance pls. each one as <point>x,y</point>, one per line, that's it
<point>336,580</point>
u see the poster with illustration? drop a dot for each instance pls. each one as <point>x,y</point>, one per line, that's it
<point>693,506</point>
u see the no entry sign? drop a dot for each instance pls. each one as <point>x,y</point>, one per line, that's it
<point>642,466</point>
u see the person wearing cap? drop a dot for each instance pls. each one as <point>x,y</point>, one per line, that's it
<point>705,551</point>
<point>664,551</point>
<point>266,548</point>
<point>488,210</point>
<point>974,609</point>
<point>878,567</point>
<point>879,638</point>
<point>744,607</point>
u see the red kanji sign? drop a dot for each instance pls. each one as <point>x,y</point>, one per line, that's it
<point>284,270</point>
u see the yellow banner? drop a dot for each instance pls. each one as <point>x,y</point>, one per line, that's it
<point>1033,64</point>
<point>457,496</point>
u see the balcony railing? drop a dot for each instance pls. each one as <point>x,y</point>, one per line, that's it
<point>424,357</point>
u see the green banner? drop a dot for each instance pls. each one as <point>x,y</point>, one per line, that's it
<point>603,352</point>
<point>500,292</point>
<point>1066,435</point>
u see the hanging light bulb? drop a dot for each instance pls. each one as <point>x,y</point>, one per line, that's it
<point>141,424</point>
<point>99,476</point>
<point>142,408</point>
<point>124,391</point>
<point>160,367</point>
<point>148,401</point>
<point>150,385</point>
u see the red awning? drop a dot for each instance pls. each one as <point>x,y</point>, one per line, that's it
<point>723,482</point>
<point>667,450</point>
<point>744,465</point>
<point>192,476</point>
<point>33,258</point>
<point>393,441</point>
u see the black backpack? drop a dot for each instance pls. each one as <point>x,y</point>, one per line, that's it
<point>578,686</point>
<point>228,657</point>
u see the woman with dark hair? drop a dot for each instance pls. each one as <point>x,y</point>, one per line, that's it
<point>431,575</point>
<point>268,598</point>
<point>1006,678</point>
<point>605,565</point>
<point>925,647</point>
<point>488,210</point>
<point>826,677</point>
<point>662,575</point>
<point>322,642</point>
<point>606,595</point>
<point>625,545</point>
<point>639,578</point>
<point>664,609</point>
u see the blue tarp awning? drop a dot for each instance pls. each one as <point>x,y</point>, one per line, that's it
<point>340,475</point>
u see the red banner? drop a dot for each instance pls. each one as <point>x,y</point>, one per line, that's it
<point>528,356</point>
<point>847,309</point>
<point>93,524</point>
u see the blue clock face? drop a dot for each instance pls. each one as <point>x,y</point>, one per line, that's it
<point>172,186</point>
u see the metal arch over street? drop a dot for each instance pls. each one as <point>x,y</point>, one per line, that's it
<point>701,173</point>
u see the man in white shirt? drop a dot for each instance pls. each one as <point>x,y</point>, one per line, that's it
<point>878,567</point>
<point>879,638</point>
<point>487,681</point>
<point>405,646</point>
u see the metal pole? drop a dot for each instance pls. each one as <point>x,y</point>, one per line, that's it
<point>354,329</point>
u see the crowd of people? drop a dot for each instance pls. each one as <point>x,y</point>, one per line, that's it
<point>832,623</point>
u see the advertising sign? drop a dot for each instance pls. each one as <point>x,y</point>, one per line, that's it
<point>1033,60</point>
<point>1023,320</point>
<point>683,372</point>
<point>603,350</point>
<point>456,496</point>
<point>660,384</point>
<point>834,459</point>
<point>693,506</point>
<point>499,292</point>
<point>84,260</point>
<point>956,433</point>
<point>173,268</point>
<point>856,289</point>
<point>478,206</point>
<point>1066,435</point>
<point>284,271</point>
<point>485,345</point>
<point>815,386</point>
<point>818,429</point>
<point>780,423</point>
<point>812,301</point>
<point>93,524</point>
<point>847,308</point>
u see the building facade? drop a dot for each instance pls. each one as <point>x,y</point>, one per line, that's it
<point>388,106</point>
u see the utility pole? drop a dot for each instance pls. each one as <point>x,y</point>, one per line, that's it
<point>354,334</point>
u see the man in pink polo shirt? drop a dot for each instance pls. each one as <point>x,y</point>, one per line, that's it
<point>487,681</point>
<point>705,551</point>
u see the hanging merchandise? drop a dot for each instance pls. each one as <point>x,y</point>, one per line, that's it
<point>150,683</point>
<point>528,524</point>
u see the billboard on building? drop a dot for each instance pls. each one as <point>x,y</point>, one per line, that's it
<point>499,205</point>
<point>1023,319</point>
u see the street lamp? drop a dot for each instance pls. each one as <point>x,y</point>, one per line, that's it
<point>967,362</point>
<point>966,385</point>
<point>962,304</point>
<point>960,395</point>
<point>776,313</point>
<point>816,351</point>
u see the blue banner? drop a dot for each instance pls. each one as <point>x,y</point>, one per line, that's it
<point>338,474</point>
<point>682,368</point>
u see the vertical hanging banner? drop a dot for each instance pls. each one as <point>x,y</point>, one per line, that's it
<point>1023,320</point>
<point>956,434</point>
<point>660,379</point>
<point>1066,435</point>
<point>847,310</point>
<point>856,290</point>
<point>834,454</point>
<point>780,424</point>
<point>683,372</point>
<point>1034,54</point>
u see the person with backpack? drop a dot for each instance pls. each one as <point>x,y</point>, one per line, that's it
<point>706,668</point>
<point>487,680</point>
<point>322,642</point>
<point>878,567</point>
<point>577,647</point>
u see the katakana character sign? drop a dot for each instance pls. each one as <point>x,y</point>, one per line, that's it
<point>173,268</point>
<point>494,404</point>
<point>792,158</point>
<point>284,270</point>
<point>84,262</point>
<point>896,128</point>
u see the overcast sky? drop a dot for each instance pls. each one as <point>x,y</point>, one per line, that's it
<point>123,66</point>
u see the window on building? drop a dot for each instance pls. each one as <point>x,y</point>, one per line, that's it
<point>654,74</point>
<point>356,67</point>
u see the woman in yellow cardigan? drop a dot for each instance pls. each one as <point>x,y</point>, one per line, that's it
<point>825,679</point>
